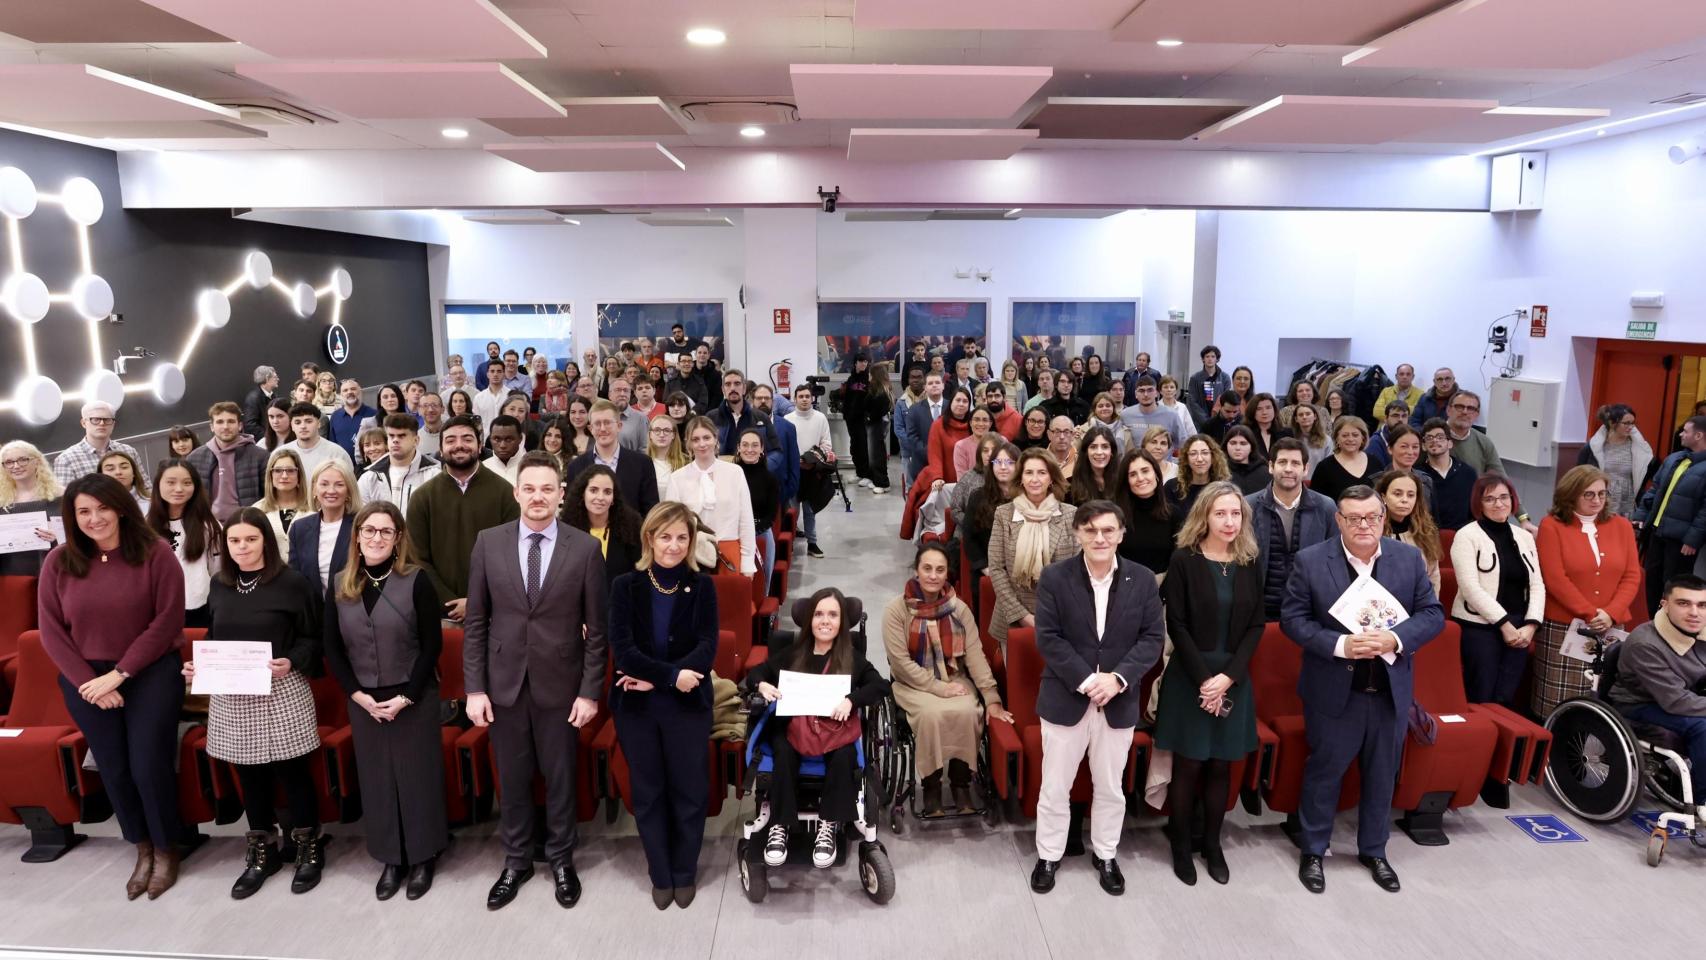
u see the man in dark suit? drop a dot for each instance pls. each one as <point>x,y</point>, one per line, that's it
<point>1098,631</point>
<point>533,656</point>
<point>920,417</point>
<point>1355,683</point>
<point>636,478</point>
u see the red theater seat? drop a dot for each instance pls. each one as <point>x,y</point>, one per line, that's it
<point>44,786</point>
<point>1273,674</point>
<point>17,615</point>
<point>1448,773</point>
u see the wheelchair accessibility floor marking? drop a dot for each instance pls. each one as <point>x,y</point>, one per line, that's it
<point>1648,820</point>
<point>1545,828</point>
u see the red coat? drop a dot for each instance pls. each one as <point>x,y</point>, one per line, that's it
<point>1009,423</point>
<point>1575,585</point>
<point>915,497</point>
<point>944,433</point>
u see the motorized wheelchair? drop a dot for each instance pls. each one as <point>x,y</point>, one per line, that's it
<point>876,874</point>
<point>1601,760</point>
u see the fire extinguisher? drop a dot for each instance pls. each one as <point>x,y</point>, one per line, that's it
<point>779,374</point>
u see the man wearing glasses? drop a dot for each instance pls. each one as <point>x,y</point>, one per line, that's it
<point>84,457</point>
<point>1062,441</point>
<point>1453,480</point>
<point>1467,443</point>
<point>1355,686</point>
<point>1434,402</point>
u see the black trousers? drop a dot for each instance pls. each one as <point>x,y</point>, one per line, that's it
<point>1492,669</point>
<point>666,743</point>
<point>135,747</point>
<point>877,451</point>
<point>1369,733</point>
<point>260,783</point>
<point>839,802</point>
<point>528,739</point>
<point>1663,559</point>
<point>858,447</point>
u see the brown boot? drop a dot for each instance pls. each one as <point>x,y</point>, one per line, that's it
<point>137,885</point>
<point>165,873</point>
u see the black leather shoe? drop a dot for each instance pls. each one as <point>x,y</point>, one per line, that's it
<point>1310,873</point>
<point>1215,860</point>
<point>1042,878</point>
<point>568,885</point>
<point>1382,872</point>
<point>420,879</point>
<point>390,881</point>
<point>1112,880</point>
<point>509,881</point>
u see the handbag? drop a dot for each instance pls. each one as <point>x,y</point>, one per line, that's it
<point>817,736</point>
<point>1423,725</point>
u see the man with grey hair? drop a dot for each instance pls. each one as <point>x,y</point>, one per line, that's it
<point>633,422</point>
<point>84,457</point>
<point>256,403</point>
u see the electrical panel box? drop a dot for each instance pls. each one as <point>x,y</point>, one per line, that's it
<point>1522,419</point>
<point>1518,182</point>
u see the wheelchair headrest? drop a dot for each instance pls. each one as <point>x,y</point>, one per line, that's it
<point>802,613</point>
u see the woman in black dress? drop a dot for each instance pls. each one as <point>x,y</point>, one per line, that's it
<point>270,739</point>
<point>1151,519</point>
<point>594,506</point>
<point>1349,464</point>
<point>1207,715</point>
<point>383,640</point>
<point>663,636</point>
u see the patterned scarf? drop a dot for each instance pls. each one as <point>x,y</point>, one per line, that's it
<point>934,636</point>
<point>1033,549</point>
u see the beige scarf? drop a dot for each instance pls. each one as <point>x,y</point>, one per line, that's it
<point>1032,549</point>
<point>1678,641</point>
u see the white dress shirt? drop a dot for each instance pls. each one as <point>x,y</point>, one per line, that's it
<point>487,406</point>
<point>546,545</point>
<point>509,471</point>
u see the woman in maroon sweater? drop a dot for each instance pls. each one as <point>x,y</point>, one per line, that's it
<point>112,615</point>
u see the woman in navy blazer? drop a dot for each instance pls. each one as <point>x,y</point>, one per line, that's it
<point>333,494</point>
<point>663,634</point>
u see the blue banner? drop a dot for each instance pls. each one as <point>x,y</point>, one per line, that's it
<point>880,320</point>
<point>1068,318</point>
<point>950,318</point>
<point>654,320</point>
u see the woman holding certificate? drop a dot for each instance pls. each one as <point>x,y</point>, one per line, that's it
<point>27,485</point>
<point>269,739</point>
<point>112,616</point>
<point>383,639</point>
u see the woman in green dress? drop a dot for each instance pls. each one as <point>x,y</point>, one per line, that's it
<point>1207,715</point>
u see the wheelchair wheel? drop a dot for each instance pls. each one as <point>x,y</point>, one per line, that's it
<point>876,874</point>
<point>1664,780</point>
<point>1655,849</point>
<point>754,875</point>
<point>1596,765</point>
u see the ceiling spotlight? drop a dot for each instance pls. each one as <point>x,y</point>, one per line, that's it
<point>752,132</point>
<point>706,36</point>
<point>571,221</point>
<point>1169,43</point>
<point>1688,149</point>
<point>454,133</point>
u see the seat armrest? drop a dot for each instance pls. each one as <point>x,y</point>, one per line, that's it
<point>1006,759</point>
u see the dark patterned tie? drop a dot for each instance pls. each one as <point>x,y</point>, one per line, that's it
<point>533,557</point>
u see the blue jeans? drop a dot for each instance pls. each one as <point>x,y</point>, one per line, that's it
<point>766,544</point>
<point>1693,731</point>
<point>808,522</point>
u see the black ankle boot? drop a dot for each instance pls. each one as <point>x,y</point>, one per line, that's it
<point>260,861</point>
<point>1215,860</point>
<point>310,858</point>
<point>1179,838</point>
<point>930,795</point>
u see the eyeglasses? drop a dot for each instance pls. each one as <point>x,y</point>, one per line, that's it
<point>15,462</point>
<point>103,421</point>
<point>1497,498</point>
<point>1368,521</point>
<point>1003,462</point>
<point>283,471</point>
<point>1595,494</point>
<point>1060,431</point>
<point>1465,408</point>
<point>1434,438</point>
<point>378,533</point>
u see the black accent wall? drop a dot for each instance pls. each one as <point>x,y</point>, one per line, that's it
<point>157,261</point>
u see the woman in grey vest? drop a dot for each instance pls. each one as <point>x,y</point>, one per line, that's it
<point>383,637</point>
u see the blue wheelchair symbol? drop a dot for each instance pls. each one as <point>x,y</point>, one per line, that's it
<point>1648,820</point>
<point>1546,829</point>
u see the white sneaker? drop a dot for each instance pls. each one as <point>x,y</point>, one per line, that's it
<point>823,850</point>
<point>879,491</point>
<point>865,482</point>
<point>776,846</point>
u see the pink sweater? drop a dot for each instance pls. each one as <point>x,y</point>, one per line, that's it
<point>130,615</point>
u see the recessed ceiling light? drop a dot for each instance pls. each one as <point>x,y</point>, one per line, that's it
<point>706,36</point>
<point>571,221</point>
<point>1169,43</point>
<point>752,132</point>
<point>454,133</point>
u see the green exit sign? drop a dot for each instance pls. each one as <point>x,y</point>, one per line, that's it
<point>1643,330</point>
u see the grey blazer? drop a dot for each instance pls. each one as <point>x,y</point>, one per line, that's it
<point>507,641</point>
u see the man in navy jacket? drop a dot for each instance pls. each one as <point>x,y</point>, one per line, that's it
<point>1355,684</point>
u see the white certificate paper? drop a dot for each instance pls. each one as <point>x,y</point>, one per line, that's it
<point>1580,642</point>
<point>1366,605</point>
<point>232,667</point>
<point>811,694</point>
<point>18,531</point>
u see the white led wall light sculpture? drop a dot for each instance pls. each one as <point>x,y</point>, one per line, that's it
<point>38,399</point>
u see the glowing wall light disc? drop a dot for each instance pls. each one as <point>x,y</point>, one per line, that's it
<point>167,382</point>
<point>342,284</point>
<point>25,297</point>
<point>213,309</point>
<point>303,299</point>
<point>82,201</point>
<point>92,297</point>
<point>105,386</point>
<point>257,269</point>
<point>17,193</point>
<point>38,400</point>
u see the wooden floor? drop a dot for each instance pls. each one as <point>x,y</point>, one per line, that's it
<point>963,891</point>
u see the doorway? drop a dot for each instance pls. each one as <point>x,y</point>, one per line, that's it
<point>1661,380</point>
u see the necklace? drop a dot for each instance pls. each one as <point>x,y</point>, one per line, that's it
<point>1224,565</point>
<point>659,587</point>
<point>376,581</point>
<point>244,587</point>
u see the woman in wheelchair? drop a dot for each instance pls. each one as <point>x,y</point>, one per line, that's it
<point>828,650</point>
<point>940,677</point>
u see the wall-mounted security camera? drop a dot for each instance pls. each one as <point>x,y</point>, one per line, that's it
<point>1499,338</point>
<point>116,318</point>
<point>984,275</point>
<point>828,198</point>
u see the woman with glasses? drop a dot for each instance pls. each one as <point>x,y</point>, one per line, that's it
<point>1592,572</point>
<point>1034,431</point>
<point>1500,595</point>
<point>27,485</point>
<point>1201,462</point>
<point>663,446</point>
<point>383,639</point>
<point>284,496</point>
<point>1618,448</point>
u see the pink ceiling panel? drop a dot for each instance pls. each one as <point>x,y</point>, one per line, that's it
<point>1340,120</point>
<point>889,146</point>
<point>97,21</point>
<point>1534,34</point>
<point>600,117</point>
<point>1505,122</point>
<point>400,91</point>
<point>1321,22</point>
<point>364,29</point>
<point>624,157</point>
<point>988,14</point>
<point>45,93</point>
<point>1129,118</point>
<point>899,92</point>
